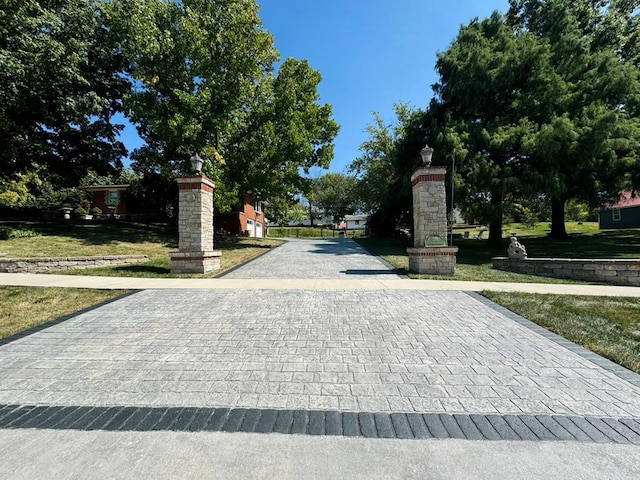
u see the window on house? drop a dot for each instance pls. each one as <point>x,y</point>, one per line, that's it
<point>357,222</point>
<point>616,214</point>
<point>257,207</point>
<point>112,197</point>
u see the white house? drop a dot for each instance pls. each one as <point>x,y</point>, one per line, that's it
<point>356,222</point>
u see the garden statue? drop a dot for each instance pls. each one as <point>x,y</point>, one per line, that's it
<point>516,250</point>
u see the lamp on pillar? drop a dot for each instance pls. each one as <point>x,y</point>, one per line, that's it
<point>425,154</point>
<point>196,163</point>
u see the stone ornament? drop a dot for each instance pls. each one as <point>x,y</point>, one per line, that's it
<point>516,250</point>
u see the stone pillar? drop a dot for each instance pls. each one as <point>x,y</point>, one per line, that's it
<point>195,227</point>
<point>430,253</point>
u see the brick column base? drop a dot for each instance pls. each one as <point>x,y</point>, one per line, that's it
<point>195,262</point>
<point>432,260</point>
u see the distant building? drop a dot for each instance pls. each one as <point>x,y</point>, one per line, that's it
<point>249,220</point>
<point>356,222</point>
<point>104,195</point>
<point>625,213</point>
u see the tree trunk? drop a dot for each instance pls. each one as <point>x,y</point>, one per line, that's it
<point>310,215</point>
<point>495,226</point>
<point>495,234</point>
<point>558,229</point>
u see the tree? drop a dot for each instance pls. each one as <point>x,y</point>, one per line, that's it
<point>587,142</point>
<point>493,83</point>
<point>61,83</point>
<point>281,211</point>
<point>205,84</point>
<point>19,192</point>
<point>388,159</point>
<point>286,131</point>
<point>336,194</point>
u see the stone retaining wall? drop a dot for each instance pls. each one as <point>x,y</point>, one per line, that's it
<point>40,265</point>
<point>615,271</point>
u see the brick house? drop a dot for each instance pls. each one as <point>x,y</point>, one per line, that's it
<point>103,195</point>
<point>249,221</point>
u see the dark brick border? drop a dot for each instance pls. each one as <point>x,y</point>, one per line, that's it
<point>326,423</point>
<point>602,362</point>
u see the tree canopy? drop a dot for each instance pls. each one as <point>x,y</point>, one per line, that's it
<point>336,195</point>
<point>586,144</point>
<point>193,76</point>
<point>538,107</point>
<point>205,84</point>
<point>61,83</point>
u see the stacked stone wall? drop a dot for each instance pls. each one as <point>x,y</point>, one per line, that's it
<point>614,271</point>
<point>42,265</point>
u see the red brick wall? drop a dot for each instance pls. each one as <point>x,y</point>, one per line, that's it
<point>99,199</point>
<point>235,223</point>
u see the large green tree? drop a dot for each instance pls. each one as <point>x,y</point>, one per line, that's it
<point>493,84</point>
<point>205,84</point>
<point>586,142</point>
<point>61,83</point>
<point>381,167</point>
<point>336,195</point>
<point>286,131</point>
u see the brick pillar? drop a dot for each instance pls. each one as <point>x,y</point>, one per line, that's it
<point>195,227</point>
<point>430,254</point>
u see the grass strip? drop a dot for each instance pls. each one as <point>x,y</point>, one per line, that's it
<point>22,308</point>
<point>473,262</point>
<point>608,326</point>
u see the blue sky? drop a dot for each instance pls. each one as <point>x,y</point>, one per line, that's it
<point>371,53</point>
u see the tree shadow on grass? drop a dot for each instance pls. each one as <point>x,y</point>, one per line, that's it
<point>607,244</point>
<point>143,269</point>
<point>104,232</point>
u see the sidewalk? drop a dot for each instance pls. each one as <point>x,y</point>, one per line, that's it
<point>225,283</point>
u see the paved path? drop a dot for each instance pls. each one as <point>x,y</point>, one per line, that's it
<point>363,362</point>
<point>311,259</point>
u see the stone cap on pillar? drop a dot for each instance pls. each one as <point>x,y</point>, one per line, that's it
<point>428,174</point>
<point>196,182</point>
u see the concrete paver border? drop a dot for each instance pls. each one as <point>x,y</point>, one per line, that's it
<point>324,423</point>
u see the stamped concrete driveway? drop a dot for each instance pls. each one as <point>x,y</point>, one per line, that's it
<point>339,258</point>
<point>400,364</point>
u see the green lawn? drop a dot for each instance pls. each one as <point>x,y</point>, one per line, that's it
<point>474,257</point>
<point>62,239</point>
<point>22,308</point>
<point>609,326</point>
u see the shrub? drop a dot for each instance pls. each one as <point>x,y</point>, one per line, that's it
<point>8,232</point>
<point>80,211</point>
<point>96,211</point>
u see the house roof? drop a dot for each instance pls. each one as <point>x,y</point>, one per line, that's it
<point>627,199</point>
<point>105,187</point>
